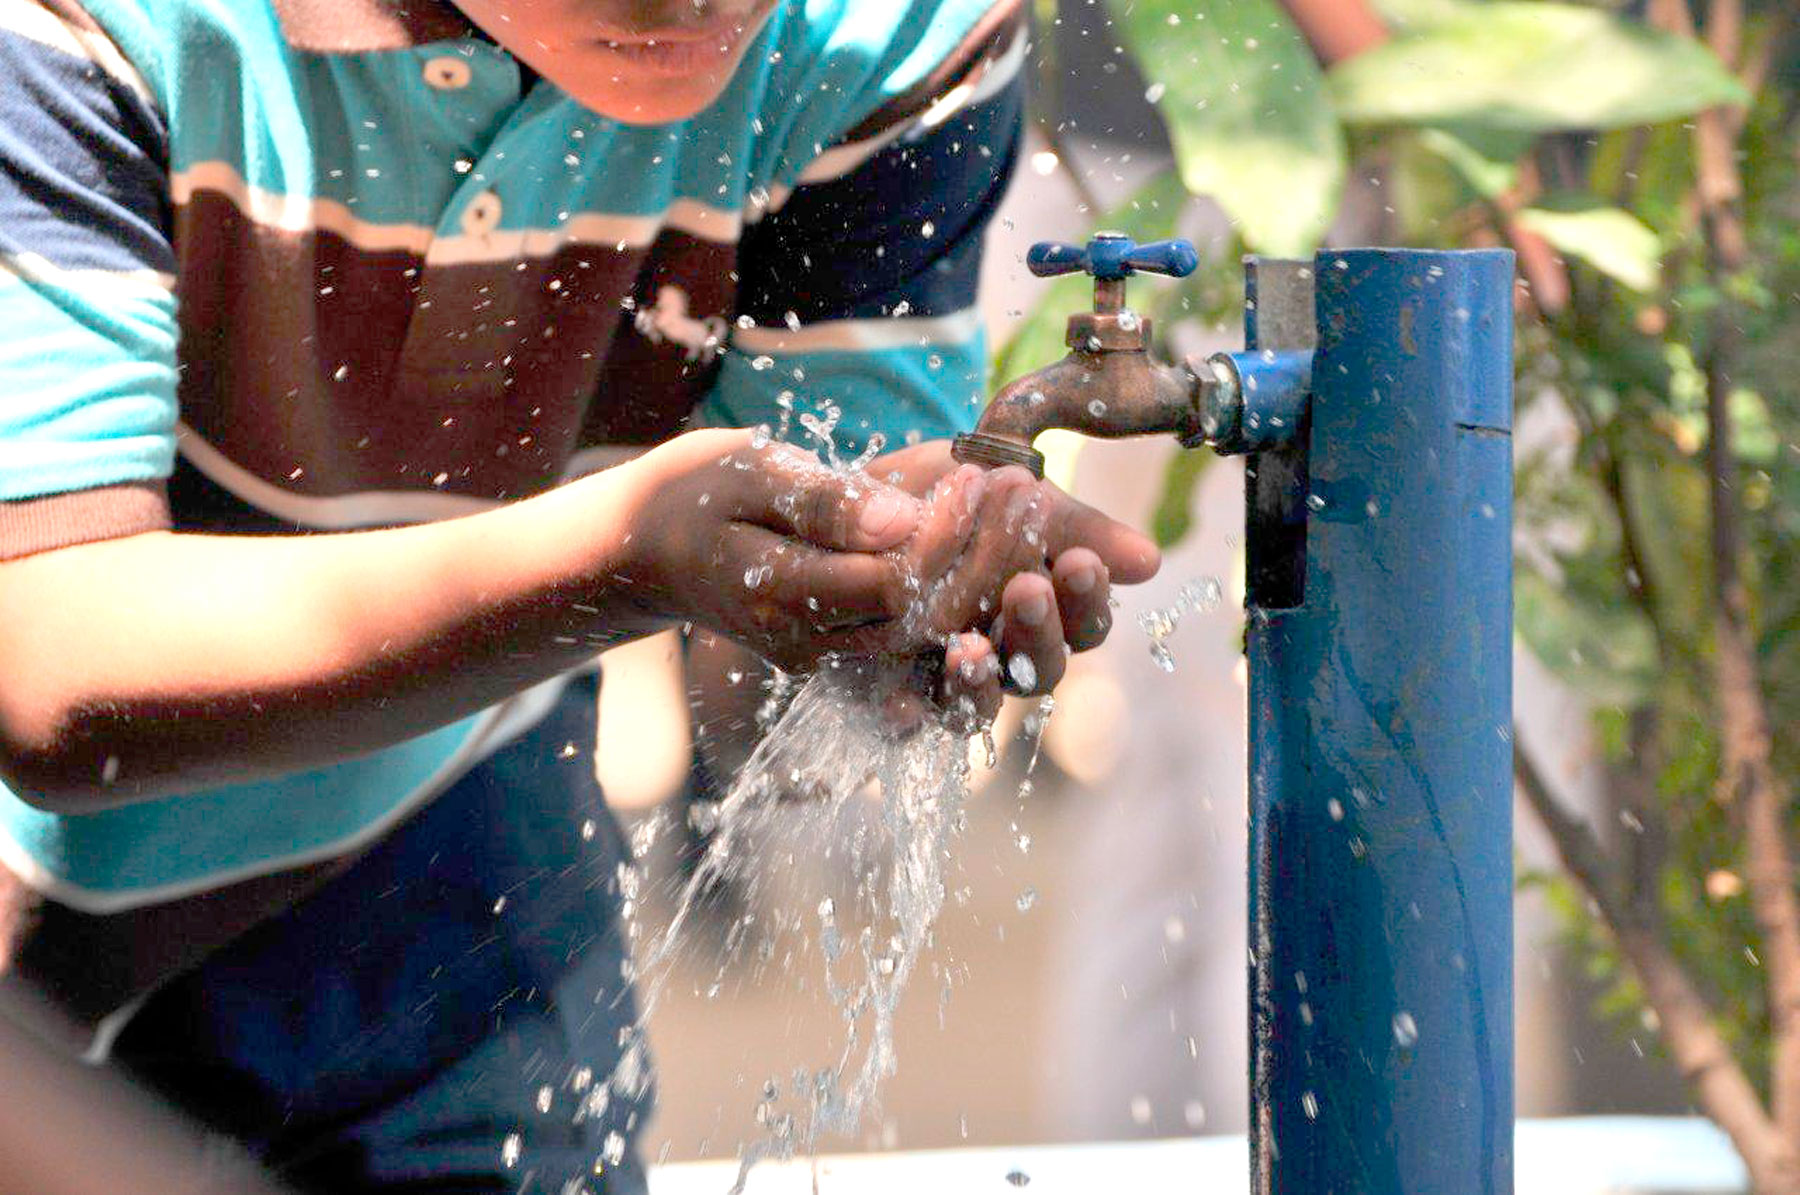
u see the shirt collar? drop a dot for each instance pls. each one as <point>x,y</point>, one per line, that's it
<point>363,26</point>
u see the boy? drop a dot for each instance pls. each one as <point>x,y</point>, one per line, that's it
<point>321,319</point>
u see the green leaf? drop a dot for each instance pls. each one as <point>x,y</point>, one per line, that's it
<point>1247,112</point>
<point>1174,517</point>
<point>1411,14</point>
<point>1534,68</point>
<point>1613,241</point>
<point>1487,159</point>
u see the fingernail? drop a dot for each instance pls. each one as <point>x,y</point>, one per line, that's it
<point>1082,580</point>
<point>1034,610</point>
<point>882,513</point>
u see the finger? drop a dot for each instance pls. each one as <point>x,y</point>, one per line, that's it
<point>789,491</point>
<point>1130,557</point>
<point>970,692</point>
<point>917,468</point>
<point>948,522</point>
<point>1029,635</point>
<point>1083,590</point>
<point>1007,538</point>
<point>794,592</point>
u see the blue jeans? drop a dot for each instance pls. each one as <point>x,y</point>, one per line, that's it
<point>394,1029</point>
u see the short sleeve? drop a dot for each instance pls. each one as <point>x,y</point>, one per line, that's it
<point>858,292</point>
<point>87,304</point>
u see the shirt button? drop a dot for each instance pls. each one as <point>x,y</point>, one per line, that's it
<point>447,73</point>
<point>482,215</point>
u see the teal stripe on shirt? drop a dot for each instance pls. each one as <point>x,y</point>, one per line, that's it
<point>90,377</point>
<point>918,392</point>
<point>181,841</point>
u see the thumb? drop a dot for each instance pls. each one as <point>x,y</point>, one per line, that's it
<point>842,511</point>
<point>1129,555</point>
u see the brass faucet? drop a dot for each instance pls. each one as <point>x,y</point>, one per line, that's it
<point>1108,385</point>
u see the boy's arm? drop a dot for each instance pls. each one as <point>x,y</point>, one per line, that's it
<point>135,662</point>
<point>146,664</point>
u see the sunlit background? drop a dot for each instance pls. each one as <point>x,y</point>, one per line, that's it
<point>1100,971</point>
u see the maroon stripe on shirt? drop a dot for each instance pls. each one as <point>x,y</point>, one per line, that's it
<point>329,370</point>
<point>31,525</point>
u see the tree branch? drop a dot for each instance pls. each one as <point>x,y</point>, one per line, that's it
<point>1748,780</point>
<point>1701,1055</point>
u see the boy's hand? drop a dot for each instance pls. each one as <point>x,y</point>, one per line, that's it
<point>1003,573</point>
<point>770,547</point>
<point>1016,573</point>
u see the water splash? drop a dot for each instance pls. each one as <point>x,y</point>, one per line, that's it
<point>1199,596</point>
<point>834,743</point>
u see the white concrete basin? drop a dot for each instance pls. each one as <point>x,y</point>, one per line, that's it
<point>1627,1155</point>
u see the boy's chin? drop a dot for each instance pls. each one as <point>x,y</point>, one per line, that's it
<point>652,104</point>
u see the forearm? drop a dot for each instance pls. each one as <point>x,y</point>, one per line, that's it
<point>161,663</point>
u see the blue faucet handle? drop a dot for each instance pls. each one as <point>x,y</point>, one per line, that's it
<point>1177,259</point>
<point>1047,259</point>
<point>1111,256</point>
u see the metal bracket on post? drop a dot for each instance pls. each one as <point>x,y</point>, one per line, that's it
<point>1379,637</point>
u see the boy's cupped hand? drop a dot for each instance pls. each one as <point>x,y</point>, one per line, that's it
<point>997,573</point>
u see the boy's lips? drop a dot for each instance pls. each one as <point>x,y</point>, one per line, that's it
<point>681,49</point>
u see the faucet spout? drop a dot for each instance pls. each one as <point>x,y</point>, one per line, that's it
<point>1108,385</point>
<point>1106,394</point>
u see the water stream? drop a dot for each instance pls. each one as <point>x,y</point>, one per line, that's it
<point>829,753</point>
<point>833,748</point>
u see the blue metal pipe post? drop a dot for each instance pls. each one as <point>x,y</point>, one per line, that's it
<point>1380,621</point>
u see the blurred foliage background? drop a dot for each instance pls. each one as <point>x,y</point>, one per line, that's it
<point>1644,162</point>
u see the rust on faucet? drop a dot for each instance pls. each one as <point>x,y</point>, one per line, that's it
<point>1108,385</point>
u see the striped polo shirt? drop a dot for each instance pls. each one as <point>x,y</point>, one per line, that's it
<point>304,265</point>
